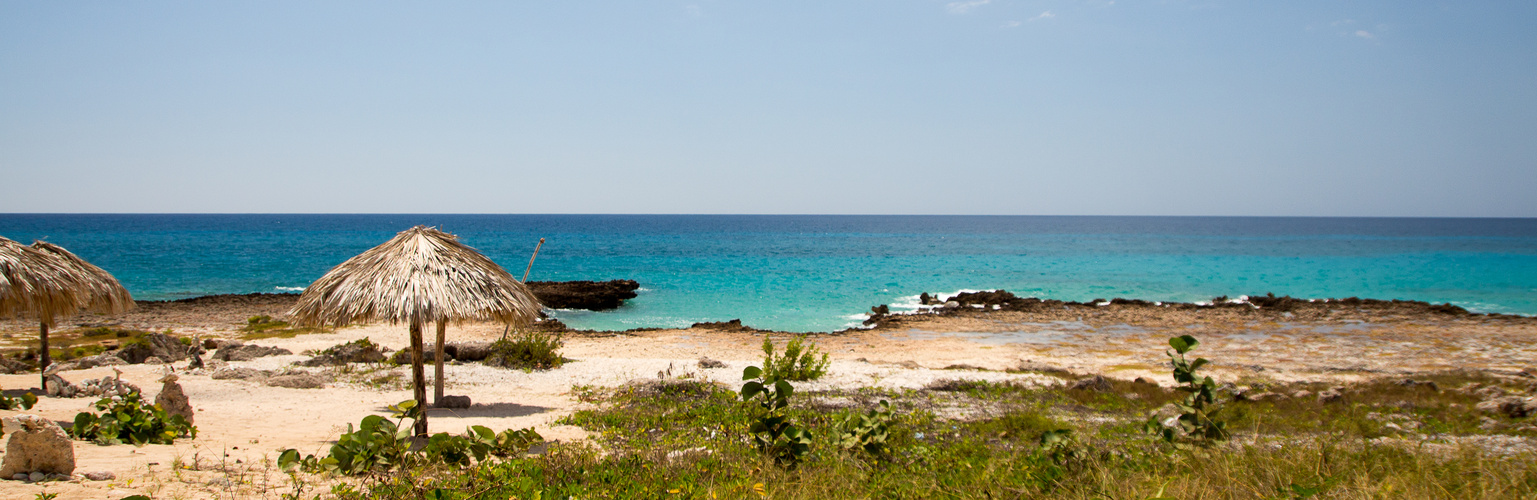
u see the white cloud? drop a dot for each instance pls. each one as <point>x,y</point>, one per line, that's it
<point>1012,24</point>
<point>1364,34</point>
<point>1044,15</point>
<point>964,7</point>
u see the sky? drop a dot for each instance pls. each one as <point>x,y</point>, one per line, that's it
<point>1086,107</point>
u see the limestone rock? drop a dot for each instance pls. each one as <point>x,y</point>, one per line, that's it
<point>100,475</point>
<point>298,381</point>
<point>706,362</point>
<point>351,352</point>
<point>9,366</point>
<point>60,388</point>
<point>1510,406</point>
<point>239,373</point>
<point>173,400</point>
<point>234,350</point>
<point>158,345</point>
<point>38,446</point>
<point>1097,383</point>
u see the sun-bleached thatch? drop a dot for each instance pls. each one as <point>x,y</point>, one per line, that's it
<point>34,283</point>
<point>420,276</point>
<point>105,295</point>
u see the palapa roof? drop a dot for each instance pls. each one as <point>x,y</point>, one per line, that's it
<point>106,294</point>
<point>420,276</point>
<point>38,283</point>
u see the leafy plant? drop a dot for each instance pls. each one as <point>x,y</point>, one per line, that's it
<point>527,350</point>
<point>380,445</point>
<point>798,363</point>
<point>868,431</point>
<point>771,428</point>
<point>1059,446</point>
<point>1197,420</point>
<point>25,402</point>
<point>126,418</point>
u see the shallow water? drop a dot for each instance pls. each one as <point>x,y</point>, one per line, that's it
<point>817,273</point>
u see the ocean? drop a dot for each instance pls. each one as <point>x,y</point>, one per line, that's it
<point>821,273</point>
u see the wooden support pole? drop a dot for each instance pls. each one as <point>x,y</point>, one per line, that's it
<point>43,359</point>
<point>437,376</point>
<point>418,378</point>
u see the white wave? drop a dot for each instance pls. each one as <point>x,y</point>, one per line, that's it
<point>289,288</point>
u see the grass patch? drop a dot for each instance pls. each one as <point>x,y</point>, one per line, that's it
<point>529,350</point>
<point>264,327</point>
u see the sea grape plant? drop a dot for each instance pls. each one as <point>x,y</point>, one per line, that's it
<point>772,430</point>
<point>379,444</point>
<point>867,431</point>
<point>125,418</point>
<point>1197,419</point>
<point>24,402</point>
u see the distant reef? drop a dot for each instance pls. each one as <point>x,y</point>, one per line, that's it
<point>589,295</point>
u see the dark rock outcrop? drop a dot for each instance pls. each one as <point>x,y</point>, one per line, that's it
<point>234,350</point>
<point>158,345</point>
<point>589,295</point>
<point>734,325</point>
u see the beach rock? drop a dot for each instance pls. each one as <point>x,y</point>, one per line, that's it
<point>951,304</point>
<point>996,297</point>
<point>235,350</point>
<point>60,388</point>
<point>358,351</point>
<point>734,325</point>
<point>1330,396</point>
<point>1302,394</point>
<point>241,373</point>
<point>159,345</point>
<point>1510,406</point>
<point>589,295</point>
<point>100,475</point>
<point>36,477</point>
<point>38,446</point>
<point>298,381</point>
<point>706,362</point>
<point>1261,396</point>
<point>453,402</point>
<point>154,360</point>
<point>173,400</point>
<point>98,360</point>
<point>9,366</point>
<point>1097,383</point>
<point>104,387</point>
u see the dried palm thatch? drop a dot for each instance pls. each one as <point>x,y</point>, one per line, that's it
<point>420,276</point>
<point>34,283</point>
<point>106,295</point>
<point>49,282</point>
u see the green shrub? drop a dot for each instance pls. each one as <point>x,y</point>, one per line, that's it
<point>527,350</point>
<point>799,362</point>
<point>868,431</point>
<point>379,445</point>
<point>127,419</point>
<point>772,430</point>
<point>1197,420</point>
<point>25,402</point>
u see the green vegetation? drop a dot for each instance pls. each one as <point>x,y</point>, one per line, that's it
<point>527,350</point>
<point>1197,421</point>
<point>379,446</point>
<point>24,402</point>
<point>798,363</point>
<point>127,419</point>
<point>687,438</point>
<point>264,327</point>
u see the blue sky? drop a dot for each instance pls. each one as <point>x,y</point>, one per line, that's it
<point>1123,107</point>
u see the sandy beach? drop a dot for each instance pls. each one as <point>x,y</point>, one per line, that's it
<point>242,424</point>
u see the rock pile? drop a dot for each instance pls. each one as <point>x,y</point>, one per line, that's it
<point>235,350</point>
<point>104,387</point>
<point>173,400</point>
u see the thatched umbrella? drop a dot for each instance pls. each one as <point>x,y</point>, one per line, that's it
<point>48,282</point>
<point>420,276</point>
<point>104,294</point>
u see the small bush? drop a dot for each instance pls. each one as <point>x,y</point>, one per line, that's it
<point>527,350</point>
<point>127,419</point>
<point>379,445</point>
<point>799,362</point>
<point>24,402</point>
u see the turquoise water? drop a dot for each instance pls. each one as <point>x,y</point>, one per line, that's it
<point>819,273</point>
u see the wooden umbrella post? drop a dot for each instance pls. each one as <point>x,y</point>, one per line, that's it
<point>418,378</point>
<point>437,376</point>
<point>43,359</point>
<point>531,260</point>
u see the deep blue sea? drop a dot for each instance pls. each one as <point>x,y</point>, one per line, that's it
<point>819,273</point>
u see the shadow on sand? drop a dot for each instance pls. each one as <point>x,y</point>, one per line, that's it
<point>487,410</point>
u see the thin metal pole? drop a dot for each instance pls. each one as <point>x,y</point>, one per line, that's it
<point>531,260</point>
